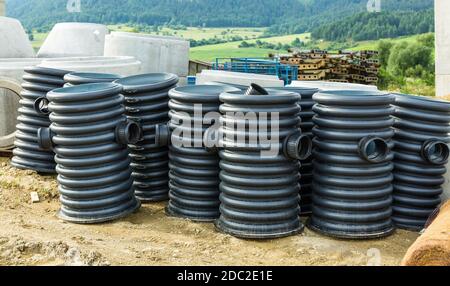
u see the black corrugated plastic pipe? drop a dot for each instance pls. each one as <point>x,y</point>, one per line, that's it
<point>194,167</point>
<point>78,78</point>
<point>147,103</point>
<point>422,128</point>
<point>352,177</point>
<point>28,155</point>
<point>260,193</point>
<point>89,133</point>
<point>306,103</point>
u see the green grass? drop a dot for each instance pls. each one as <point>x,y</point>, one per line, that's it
<point>373,45</point>
<point>195,33</point>
<point>232,50</point>
<point>39,39</point>
<point>190,33</point>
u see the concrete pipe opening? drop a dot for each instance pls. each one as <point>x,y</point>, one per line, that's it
<point>9,104</point>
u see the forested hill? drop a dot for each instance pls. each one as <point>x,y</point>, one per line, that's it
<point>283,16</point>
<point>372,26</point>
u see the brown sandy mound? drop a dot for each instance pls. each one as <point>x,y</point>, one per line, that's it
<point>433,247</point>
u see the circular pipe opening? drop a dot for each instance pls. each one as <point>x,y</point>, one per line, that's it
<point>41,106</point>
<point>133,133</point>
<point>373,149</point>
<point>256,89</point>
<point>128,132</point>
<point>297,146</point>
<point>305,147</point>
<point>162,135</point>
<point>9,99</point>
<point>44,138</point>
<point>436,152</point>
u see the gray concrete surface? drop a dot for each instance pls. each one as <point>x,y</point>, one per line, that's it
<point>323,85</point>
<point>9,104</point>
<point>124,66</point>
<point>442,21</point>
<point>14,68</point>
<point>74,40</point>
<point>238,78</point>
<point>157,53</point>
<point>14,42</point>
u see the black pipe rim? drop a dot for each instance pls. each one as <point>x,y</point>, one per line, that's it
<point>352,236</point>
<point>436,152</point>
<point>147,82</point>
<point>46,71</point>
<point>85,221</point>
<point>257,236</point>
<point>84,92</point>
<point>198,219</point>
<point>90,77</point>
<point>200,93</point>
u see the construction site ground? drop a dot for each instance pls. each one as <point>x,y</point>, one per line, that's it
<point>31,234</point>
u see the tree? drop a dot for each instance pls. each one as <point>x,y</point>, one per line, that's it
<point>384,50</point>
<point>406,57</point>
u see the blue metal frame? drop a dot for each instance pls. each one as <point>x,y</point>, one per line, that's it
<point>266,66</point>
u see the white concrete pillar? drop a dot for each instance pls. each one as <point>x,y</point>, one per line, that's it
<point>442,22</point>
<point>2,8</point>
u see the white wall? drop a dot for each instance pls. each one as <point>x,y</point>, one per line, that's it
<point>442,19</point>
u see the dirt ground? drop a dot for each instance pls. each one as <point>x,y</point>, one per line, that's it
<point>31,234</point>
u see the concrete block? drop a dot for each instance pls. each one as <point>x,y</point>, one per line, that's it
<point>245,79</point>
<point>14,68</point>
<point>442,22</point>
<point>14,42</point>
<point>442,85</point>
<point>74,40</point>
<point>124,66</point>
<point>9,103</point>
<point>156,53</point>
<point>442,60</point>
<point>324,85</point>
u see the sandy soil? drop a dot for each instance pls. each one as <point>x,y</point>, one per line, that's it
<point>31,234</point>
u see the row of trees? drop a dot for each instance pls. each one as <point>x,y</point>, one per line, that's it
<point>406,62</point>
<point>283,16</point>
<point>372,26</point>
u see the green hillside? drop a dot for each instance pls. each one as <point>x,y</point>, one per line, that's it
<point>282,16</point>
<point>373,45</point>
<point>230,50</point>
